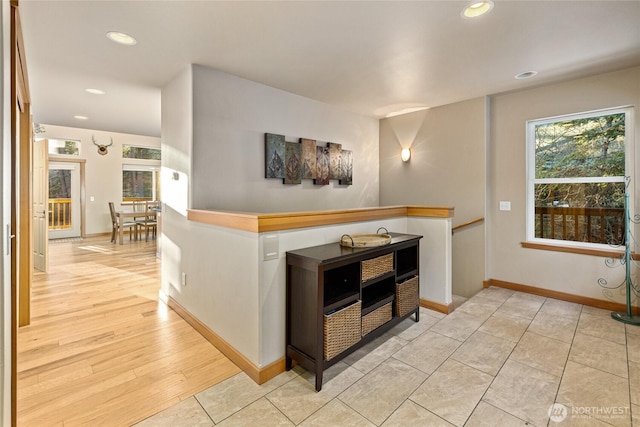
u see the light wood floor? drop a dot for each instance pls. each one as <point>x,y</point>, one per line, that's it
<point>101,349</point>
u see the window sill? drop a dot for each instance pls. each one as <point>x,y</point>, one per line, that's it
<point>574,250</point>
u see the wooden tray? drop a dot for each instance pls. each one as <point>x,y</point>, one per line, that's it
<point>364,240</point>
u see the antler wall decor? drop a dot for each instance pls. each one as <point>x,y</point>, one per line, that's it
<point>102,149</point>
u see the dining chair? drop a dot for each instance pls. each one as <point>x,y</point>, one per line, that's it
<point>131,225</point>
<point>149,221</point>
<point>139,206</point>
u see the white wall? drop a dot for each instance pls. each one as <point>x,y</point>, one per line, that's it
<point>5,208</point>
<point>222,287</point>
<point>213,127</point>
<point>231,116</point>
<point>435,257</point>
<point>447,168</point>
<point>103,173</point>
<point>241,296</point>
<point>508,261</point>
<point>177,129</point>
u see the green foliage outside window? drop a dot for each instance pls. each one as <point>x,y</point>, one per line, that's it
<point>137,185</point>
<point>141,184</point>
<point>145,153</point>
<point>578,183</point>
<point>64,146</point>
<point>590,147</point>
<point>71,148</point>
<point>59,184</point>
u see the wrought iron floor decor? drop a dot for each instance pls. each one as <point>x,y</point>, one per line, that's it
<point>627,261</point>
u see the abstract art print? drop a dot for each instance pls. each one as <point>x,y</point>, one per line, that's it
<point>346,164</point>
<point>335,150</point>
<point>309,168</point>
<point>322,166</point>
<point>274,156</point>
<point>292,163</point>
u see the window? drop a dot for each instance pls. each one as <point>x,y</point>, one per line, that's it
<point>59,198</point>
<point>141,174</point>
<point>145,153</point>
<point>140,183</point>
<point>576,167</point>
<point>65,147</point>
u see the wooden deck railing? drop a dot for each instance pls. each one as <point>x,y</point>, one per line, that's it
<point>594,225</point>
<point>59,214</point>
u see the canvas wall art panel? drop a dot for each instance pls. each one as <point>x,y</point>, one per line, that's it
<point>322,166</point>
<point>335,150</point>
<point>274,156</point>
<point>346,164</point>
<point>309,167</point>
<point>292,163</point>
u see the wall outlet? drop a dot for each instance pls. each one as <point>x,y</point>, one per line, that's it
<point>505,205</point>
<point>183,279</point>
<point>92,199</point>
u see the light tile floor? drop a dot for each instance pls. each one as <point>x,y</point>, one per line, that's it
<point>502,358</point>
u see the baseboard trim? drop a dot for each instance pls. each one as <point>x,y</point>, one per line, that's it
<point>592,302</point>
<point>259,375</point>
<point>436,306</point>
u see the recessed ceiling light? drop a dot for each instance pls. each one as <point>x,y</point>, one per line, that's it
<point>477,8</point>
<point>95,91</point>
<point>526,75</point>
<point>122,38</point>
<point>81,117</point>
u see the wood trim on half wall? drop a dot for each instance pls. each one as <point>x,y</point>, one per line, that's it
<point>260,223</point>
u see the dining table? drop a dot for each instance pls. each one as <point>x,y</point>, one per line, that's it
<point>123,216</point>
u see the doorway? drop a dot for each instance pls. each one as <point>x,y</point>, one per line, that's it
<point>64,200</point>
<point>39,211</point>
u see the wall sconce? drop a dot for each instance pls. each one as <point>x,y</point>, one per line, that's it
<point>405,154</point>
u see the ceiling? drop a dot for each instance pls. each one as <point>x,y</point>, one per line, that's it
<point>373,58</point>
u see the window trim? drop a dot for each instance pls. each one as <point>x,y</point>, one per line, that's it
<point>573,246</point>
<point>607,252</point>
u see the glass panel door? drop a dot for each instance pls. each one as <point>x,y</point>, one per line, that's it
<point>64,200</point>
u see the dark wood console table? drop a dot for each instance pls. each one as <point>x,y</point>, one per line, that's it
<point>340,298</point>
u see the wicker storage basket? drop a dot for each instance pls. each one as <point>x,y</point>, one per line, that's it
<point>407,296</point>
<point>342,329</point>
<point>377,266</point>
<point>377,317</point>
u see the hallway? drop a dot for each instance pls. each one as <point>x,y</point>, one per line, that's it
<point>503,358</point>
<point>101,349</point>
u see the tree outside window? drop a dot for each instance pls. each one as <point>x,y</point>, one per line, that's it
<point>143,153</point>
<point>577,177</point>
<point>140,177</point>
<point>65,147</point>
